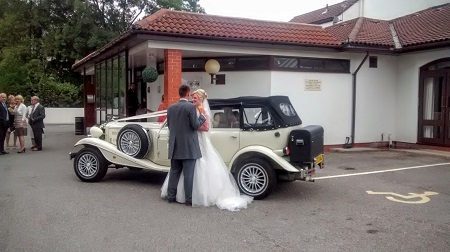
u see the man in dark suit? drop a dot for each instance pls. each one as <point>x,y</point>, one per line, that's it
<point>133,101</point>
<point>184,148</point>
<point>4,118</point>
<point>37,122</point>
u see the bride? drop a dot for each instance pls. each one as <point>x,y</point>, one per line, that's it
<point>213,183</point>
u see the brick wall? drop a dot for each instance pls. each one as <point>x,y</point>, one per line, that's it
<point>172,75</point>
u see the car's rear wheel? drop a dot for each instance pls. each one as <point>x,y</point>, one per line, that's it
<point>255,177</point>
<point>133,140</point>
<point>90,165</point>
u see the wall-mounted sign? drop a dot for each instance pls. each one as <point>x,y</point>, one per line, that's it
<point>313,85</point>
<point>90,98</point>
<point>194,84</point>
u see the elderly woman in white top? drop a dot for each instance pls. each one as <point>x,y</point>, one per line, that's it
<point>20,122</point>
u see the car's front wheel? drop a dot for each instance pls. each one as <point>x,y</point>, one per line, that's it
<point>90,165</point>
<point>255,177</point>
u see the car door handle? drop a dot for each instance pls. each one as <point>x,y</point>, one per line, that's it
<point>233,137</point>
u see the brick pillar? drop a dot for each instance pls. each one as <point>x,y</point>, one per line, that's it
<point>172,75</point>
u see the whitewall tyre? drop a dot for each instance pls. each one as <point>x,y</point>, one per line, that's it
<point>90,165</point>
<point>255,177</point>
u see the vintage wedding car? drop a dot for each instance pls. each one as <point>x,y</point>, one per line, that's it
<point>260,139</point>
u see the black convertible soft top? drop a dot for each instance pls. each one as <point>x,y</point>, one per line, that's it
<point>280,107</point>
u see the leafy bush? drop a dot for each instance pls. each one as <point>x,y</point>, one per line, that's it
<point>51,93</point>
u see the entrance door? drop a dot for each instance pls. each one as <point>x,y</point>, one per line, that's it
<point>434,108</point>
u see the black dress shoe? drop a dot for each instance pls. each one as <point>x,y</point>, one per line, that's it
<point>1,154</point>
<point>171,200</point>
<point>188,203</point>
<point>5,152</point>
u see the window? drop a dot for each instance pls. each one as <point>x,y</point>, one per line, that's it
<point>225,117</point>
<point>193,64</point>
<point>287,109</point>
<point>373,62</point>
<point>284,62</point>
<point>257,117</point>
<point>341,66</point>
<point>311,64</point>
<point>252,63</point>
<point>227,64</point>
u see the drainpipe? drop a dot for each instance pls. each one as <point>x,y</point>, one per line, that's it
<point>354,101</point>
<point>361,8</point>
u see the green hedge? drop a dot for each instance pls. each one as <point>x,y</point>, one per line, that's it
<point>51,93</point>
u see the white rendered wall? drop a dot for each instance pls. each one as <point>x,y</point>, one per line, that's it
<point>390,9</point>
<point>240,83</point>
<point>376,99</point>
<point>330,107</point>
<point>62,115</point>
<point>351,13</point>
<point>408,92</point>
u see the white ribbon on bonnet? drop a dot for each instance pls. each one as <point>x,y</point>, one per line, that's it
<point>144,116</point>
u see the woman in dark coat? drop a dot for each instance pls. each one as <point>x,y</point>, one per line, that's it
<point>12,104</point>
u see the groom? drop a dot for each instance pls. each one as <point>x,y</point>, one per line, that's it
<point>184,148</point>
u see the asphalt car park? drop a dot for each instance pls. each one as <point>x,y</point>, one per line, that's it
<point>367,201</point>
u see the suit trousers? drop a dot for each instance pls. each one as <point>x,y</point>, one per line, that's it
<point>177,166</point>
<point>37,132</point>
<point>3,129</point>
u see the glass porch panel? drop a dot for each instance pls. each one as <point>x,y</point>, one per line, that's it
<point>432,98</point>
<point>115,86</point>
<point>432,132</point>
<point>122,85</point>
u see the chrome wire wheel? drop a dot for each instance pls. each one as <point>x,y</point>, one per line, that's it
<point>254,179</point>
<point>88,165</point>
<point>130,143</point>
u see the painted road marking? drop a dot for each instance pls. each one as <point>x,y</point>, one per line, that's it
<point>422,197</point>
<point>373,172</point>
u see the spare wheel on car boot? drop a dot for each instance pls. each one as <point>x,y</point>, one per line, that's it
<point>133,140</point>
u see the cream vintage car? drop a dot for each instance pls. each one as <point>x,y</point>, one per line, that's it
<point>261,140</point>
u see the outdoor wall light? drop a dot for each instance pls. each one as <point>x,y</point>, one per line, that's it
<point>212,67</point>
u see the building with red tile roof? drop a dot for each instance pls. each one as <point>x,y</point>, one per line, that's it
<point>372,74</point>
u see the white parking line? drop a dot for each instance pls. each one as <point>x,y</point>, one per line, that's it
<point>390,170</point>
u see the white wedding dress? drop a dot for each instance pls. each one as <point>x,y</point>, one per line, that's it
<point>213,183</point>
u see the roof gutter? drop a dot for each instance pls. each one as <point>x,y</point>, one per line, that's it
<point>354,74</point>
<point>435,45</point>
<point>191,36</point>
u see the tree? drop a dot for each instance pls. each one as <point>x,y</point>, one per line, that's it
<point>41,39</point>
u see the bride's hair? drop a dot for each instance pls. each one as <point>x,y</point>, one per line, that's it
<point>201,93</point>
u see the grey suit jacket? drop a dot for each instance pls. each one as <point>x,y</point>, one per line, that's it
<point>37,117</point>
<point>183,124</point>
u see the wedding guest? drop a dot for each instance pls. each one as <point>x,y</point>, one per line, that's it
<point>20,122</point>
<point>11,130</point>
<point>162,107</point>
<point>4,118</point>
<point>37,117</point>
<point>30,130</point>
<point>133,101</point>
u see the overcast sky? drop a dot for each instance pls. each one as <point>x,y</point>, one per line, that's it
<point>276,10</point>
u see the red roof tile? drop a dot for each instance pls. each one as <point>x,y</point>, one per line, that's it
<point>211,26</point>
<point>364,31</point>
<point>427,26</point>
<point>319,17</point>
